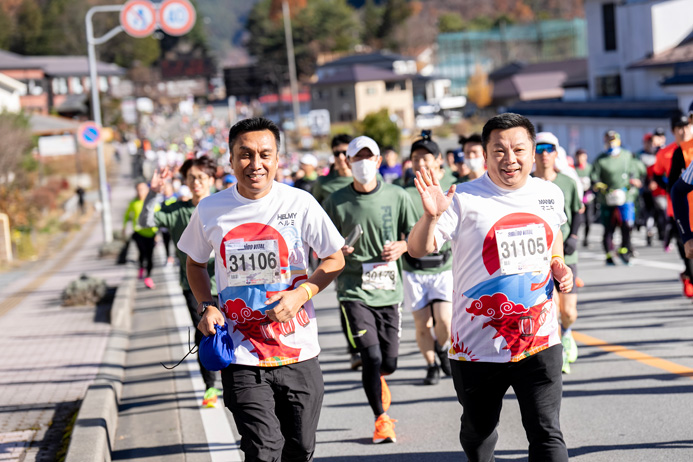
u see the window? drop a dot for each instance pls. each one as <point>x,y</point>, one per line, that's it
<point>608,86</point>
<point>342,92</point>
<point>370,91</point>
<point>76,87</point>
<point>59,86</point>
<point>609,26</point>
<point>393,86</point>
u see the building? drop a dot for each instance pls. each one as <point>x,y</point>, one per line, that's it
<point>350,92</point>
<point>10,89</point>
<point>640,71</point>
<point>51,80</point>
<point>459,53</point>
<point>519,81</point>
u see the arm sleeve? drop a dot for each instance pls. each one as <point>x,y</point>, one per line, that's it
<point>575,206</point>
<point>682,199</point>
<point>678,164</point>
<point>147,219</point>
<point>194,241</point>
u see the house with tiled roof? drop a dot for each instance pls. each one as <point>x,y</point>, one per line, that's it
<point>352,91</point>
<point>52,81</point>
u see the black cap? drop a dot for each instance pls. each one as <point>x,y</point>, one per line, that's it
<point>690,109</point>
<point>426,143</point>
<point>679,120</point>
<point>659,131</point>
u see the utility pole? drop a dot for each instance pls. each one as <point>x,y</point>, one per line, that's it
<point>292,65</point>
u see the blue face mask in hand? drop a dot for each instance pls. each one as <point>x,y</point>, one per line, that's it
<point>216,351</point>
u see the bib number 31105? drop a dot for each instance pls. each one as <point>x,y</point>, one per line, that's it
<point>252,262</point>
<point>523,249</point>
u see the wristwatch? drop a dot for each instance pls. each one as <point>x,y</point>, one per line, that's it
<point>204,306</point>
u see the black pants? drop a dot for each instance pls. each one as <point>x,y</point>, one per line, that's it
<point>375,332</point>
<point>612,220</point>
<point>166,237</point>
<point>276,409</point>
<point>538,385</point>
<point>145,245</point>
<point>207,376</point>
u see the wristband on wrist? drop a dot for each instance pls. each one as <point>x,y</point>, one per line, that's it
<point>204,306</point>
<point>557,256</point>
<point>310,292</point>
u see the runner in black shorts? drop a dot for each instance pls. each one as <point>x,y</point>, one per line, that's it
<point>370,287</point>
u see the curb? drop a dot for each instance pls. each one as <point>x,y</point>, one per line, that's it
<point>94,431</point>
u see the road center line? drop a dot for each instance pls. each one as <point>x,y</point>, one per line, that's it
<point>627,353</point>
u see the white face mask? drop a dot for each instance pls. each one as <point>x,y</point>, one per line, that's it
<point>475,164</point>
<point>364,170</point>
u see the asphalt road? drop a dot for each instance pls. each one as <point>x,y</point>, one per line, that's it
<point>628,398</point>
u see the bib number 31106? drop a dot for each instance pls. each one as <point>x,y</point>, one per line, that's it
<point>523,249</point>
<point>252,262</point>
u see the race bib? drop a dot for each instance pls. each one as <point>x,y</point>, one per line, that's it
<point>253,262</point>
<point>379,276</point>
<point>616,198</point>
<point>523,249</point>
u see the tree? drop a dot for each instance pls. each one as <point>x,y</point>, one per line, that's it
<point>27,37</point>
<point>450,22</point>
<point>322,26</point>
<point>371,17</point>
<point>381,128</point>
<point>396,12</point>
<point>479,89</point>
<point>5,30</point>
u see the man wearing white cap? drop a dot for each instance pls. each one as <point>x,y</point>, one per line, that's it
<point>309,165</point>
<point>547,154</point>
<point>370,287</point>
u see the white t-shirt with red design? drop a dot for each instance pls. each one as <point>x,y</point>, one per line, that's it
<point>503,306</point>
<point>261,247</point>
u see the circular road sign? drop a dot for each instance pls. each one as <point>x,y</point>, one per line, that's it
<point>138,18</point>
<point>89,134</point>
<point>176,17</point>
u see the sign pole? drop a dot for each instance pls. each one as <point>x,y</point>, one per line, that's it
<point>106,217</point>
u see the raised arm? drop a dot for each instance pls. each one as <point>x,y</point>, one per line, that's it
<point>421,239</point>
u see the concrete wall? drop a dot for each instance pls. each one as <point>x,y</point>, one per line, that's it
<point>372,97</point>
<point>574,133</point>
<point>672,21</point>
<point>338,104</point>
<point>642,28</point>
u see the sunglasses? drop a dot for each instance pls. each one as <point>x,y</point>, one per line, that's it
<point>338,153</point>
<point>545,148</point>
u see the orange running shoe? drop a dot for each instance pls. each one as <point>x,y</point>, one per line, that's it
<point>384,430</point>
<point>386,397</point>
<point>579,282</point>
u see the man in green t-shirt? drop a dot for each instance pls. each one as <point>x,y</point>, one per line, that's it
<point>339,177</point>
<point>340,173</point>
<point>428,280</point>
<point>370,287</point>
<point>198,175</point>
<point>546,153</point>
<point>616,175</point>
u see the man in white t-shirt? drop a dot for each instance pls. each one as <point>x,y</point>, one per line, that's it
<point>261,233</point>
<point>507,248</point>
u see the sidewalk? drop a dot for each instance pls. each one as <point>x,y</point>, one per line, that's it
<point>51,354</point>
<point>159,413</point>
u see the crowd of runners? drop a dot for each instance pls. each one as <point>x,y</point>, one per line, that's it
<point>484,235</point>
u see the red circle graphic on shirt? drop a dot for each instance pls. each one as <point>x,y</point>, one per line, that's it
<point>514,220</point>
<point>257,232</point>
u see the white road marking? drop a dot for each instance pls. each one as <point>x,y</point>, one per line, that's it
<point>221,442</point>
